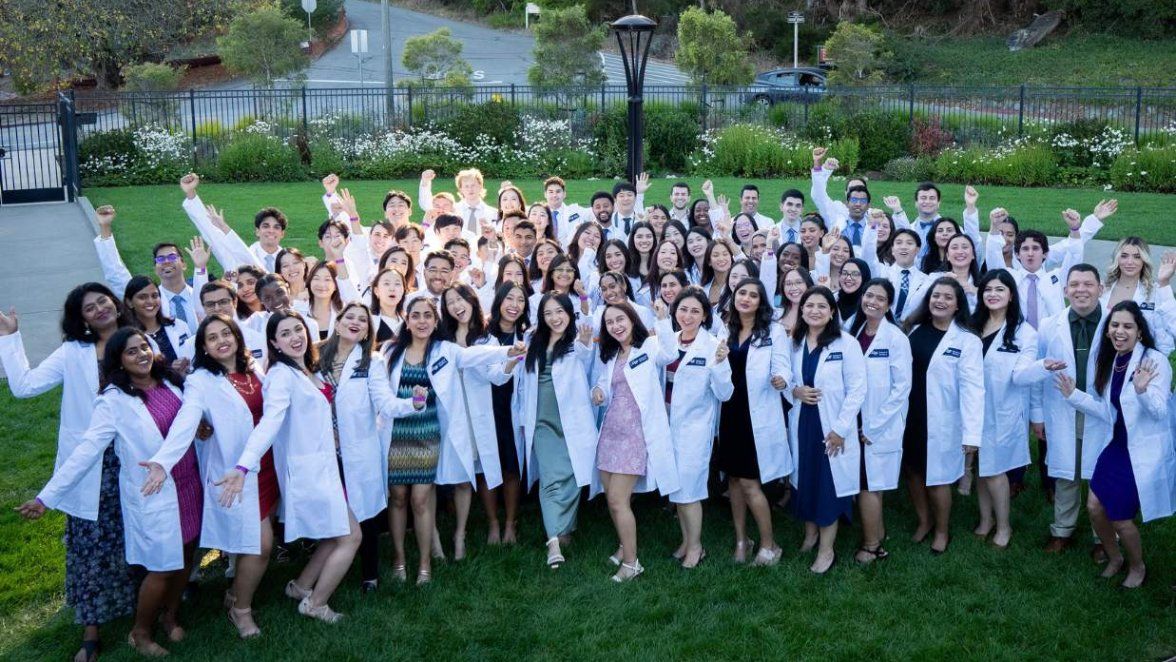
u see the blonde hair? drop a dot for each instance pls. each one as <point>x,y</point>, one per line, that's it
<point>475,174</point>
<point>1145,273</point>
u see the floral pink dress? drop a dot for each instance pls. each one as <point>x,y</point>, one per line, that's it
<point>621,449</point>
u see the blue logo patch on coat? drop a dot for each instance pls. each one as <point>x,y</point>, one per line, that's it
<point>1054,279</point>
<point>438,364</point>
<point>952,351</point>
<point>698,360</point>
<point>833,356</point>
<point>1148,305</point>
<point>1009,350</point>
<point>574,217</point>
<point>183,338</point>
<point>256,353</point>
<point>766,342</point>
<point>359,373</point>
<point>879,354</point>
<point>638,361</point>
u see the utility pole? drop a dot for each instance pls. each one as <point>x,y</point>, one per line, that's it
<point>795,18</point>
<point>389,97</point>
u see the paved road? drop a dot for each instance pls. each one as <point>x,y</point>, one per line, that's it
<point>497,56</point>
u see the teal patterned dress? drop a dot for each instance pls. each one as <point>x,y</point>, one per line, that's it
<point>416,439</point>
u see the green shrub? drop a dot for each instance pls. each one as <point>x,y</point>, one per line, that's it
<point>252,157</point>
<point>910,169</point>
<point>1023,164</point>
<point>882,136</point>
<point>210,129</point>
<point>749,150</point>
<point>671,135</point>
<point>1146,169</point>
<point>497,120</point>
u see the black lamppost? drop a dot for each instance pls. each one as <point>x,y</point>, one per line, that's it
<point>634,33</point>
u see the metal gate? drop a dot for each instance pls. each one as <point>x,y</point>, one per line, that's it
<point>38,152</point>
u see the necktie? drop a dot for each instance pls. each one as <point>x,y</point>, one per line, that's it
<point>555,221</point>
<point>1081,354</point>
<point>856,238</point>
<point>472,221</point>
<point>1031,304</point>
<point>269,263</point>
<point>628,225</point>
<point>904,289</point>
<point>178,311</point>
<point>791,235</point>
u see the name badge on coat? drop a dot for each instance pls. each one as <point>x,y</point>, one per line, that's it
<point>1009,349</point>
<point>1054,279</point>
<point>698,360</point>
<point>638,361</point>
<point>438,364</point>
<point>833,356</point>
<point>953,352</point>
<point>256,353</point>
<point>879,354</point>
<point>183,338</point>
<point>1147,305</point>
<point>766,342</point>
<point>574,217</point>
<point>360,373</point>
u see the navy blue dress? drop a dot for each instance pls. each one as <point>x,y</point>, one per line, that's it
<point>1113,481</point>
<point>816,497</point>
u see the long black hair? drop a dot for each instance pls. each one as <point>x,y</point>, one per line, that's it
<point>524,321</point>
<point>922,314</point>
<point>609,346</point>
<point>134,286</point>
<point>708,269</point>
<point>1013,317</point>
<point>243,309</point>
<point>535,273</point>
<point>242,359</point>
<point>847,302</point>
<point>537,349</point>
<point>330,347</point>
<point>375,306</point>
<point>602,264</point>
<point>116,376</point>
<point>698,294</point>
<point>933,260</point>
<point>634,268</point>
<point>559,260</point>
<point>449,324</point>
<point>974,267</point>
<point>694,212</point>
<point>761,325</point>
<point>404,336</point>
<point>511,258</point>
<point>619,277</point>
<point>752,272</point>
<point>805,275</point>
<point>832,330</point>
<point>73,324</point>
<point>310,360</point>
<point>574,243</point>
<point>859,319</point>
<point>1104,361</point>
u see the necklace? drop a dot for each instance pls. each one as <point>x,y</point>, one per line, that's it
<point>243,384</point>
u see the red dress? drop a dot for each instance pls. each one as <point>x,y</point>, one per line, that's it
<point>249,388</point>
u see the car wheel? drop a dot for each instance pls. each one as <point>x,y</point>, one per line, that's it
<point>763,100</point>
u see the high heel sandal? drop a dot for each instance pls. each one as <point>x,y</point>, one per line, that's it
<point>296,592</point>
<point>628,572</point>
<point>400,572</point>
<point>767,557</point>
<point>554,559</point>
<point>876,554</point>
<point>322,612</point>
<point>616,557</point>
<point>424,577</point>
<point>243,631</point>
<point>741,549</point>
<point>701,558</point>
<point>148,648</point>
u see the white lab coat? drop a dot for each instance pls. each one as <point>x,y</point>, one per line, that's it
<point>700,386</point>
<point>766,358</point>
<point>210,397</point>
<point>884,411</point>
<point>479,411</point>
<point>642,371</point>
<point>151,524</point>
<point>74,367</point>
<point>1008,380</point>
<point>841,377</point>
<point>1149,439</point>
<point>955,397</point>
<point>360,397</point>
<point>254,342</point>
<point>456,462</point>
<point>178,335</point>
<point>569,377</point>
<point>297,423</point>
<point>1049,407</point>
<point>1155,308</point>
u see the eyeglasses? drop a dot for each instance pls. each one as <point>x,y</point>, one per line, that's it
<point>859,201</point>
<point>564,270</point>
<point>165,259</point>
<point>851,275</point>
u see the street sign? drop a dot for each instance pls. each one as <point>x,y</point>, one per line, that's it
<point>309,6</point>
<point>359,41</point>
<point>531,10</point>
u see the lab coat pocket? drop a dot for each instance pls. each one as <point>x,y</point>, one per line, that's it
<point>153,538</point>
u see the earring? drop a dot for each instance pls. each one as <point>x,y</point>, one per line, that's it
<point>88,330</point>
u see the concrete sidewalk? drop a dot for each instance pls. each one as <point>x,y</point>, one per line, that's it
<point>45,250</point>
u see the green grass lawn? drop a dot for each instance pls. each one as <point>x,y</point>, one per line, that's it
<point>1073,59</point>
<point>148,214</point>
<point>502,603</point>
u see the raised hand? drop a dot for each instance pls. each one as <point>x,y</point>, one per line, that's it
<point>218,219</point>
<point>642,183</point>
<point>348,202</point>
<point>586,334</point>
<point>477,277</point>
<point>971,195</point>
<point>105,215</point>
<point>188,183</point>
<point>579,289</point>
<point>428,176</point>
<point>828,240</point>
<point>198,252</point>
<point>660,310</point>
<point>819,156</point>
<point>1144,374</point>
<point>997,216</point>
<point>1105,208</point>
<point>1072,218</point>
<point>708,188</point>
<point>774,235</point>
<point>10,323</point>
<point>155,478</point>
<point>487,229</point>
<point>1167,268</point>
<point>31,509</point>
<point>893,203</point>
<point>832,164</point>
<point>330,183</point>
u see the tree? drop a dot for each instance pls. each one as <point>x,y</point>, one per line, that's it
<point>711,50</point>
<point>44,41</point>
<point>856,51</point>
<point>567,48</point>
<point>263,46</point>
<point>436,59</point>
<point>151,77</point>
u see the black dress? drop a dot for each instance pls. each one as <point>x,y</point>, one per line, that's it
<point>500,397</point>
<point>924,341</point>
<point>735,454</point>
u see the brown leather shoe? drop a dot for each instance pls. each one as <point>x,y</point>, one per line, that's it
<point>1057,545</point>
<point>1098,553</point>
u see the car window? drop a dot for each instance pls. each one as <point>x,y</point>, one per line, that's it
<point>811,79</point>
<point>785,79</point>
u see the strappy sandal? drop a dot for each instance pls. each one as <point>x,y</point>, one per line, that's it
<point>616,557</point>
<point>701,558</point>
<point>424,577</point>
<point>296,592</point>
<point>742,548</point>
<point>89,650</point>
<point>628,572</point>
<point>400,572</point>
<point>243,631</point>
<point>554,558</point>
<point>767,557</point>
<point>878,553</point>
<point>148,648</point>
<point>322,612</point>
